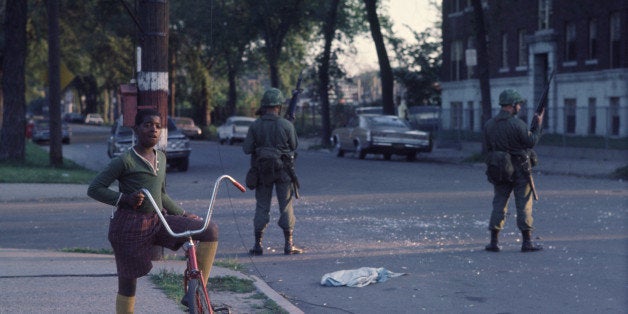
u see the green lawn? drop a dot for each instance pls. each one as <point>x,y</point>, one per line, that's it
<point>37,169</point>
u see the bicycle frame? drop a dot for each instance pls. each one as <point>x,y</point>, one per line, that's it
<point>210,210</point>
<point>192,272</point>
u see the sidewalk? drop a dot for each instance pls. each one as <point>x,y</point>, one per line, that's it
<point>35,281</point>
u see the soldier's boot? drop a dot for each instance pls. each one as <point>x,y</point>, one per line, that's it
<point>289,248</point>
<point>493,247</point>
<point>528,245</point>
<point>257,248</point>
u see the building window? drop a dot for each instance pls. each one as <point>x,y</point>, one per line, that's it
<point>592,50</point>
<point>504,51</point>
<point>522,52</point>
<point>570,115</point>
<point>456,60</point>
<point>470,46</point>
<point>615,39</point>
<point>570,41</point>
<point>614,115</point>
<point>456,115</point>
<point>456,6</point>
<point>470,116</point>
<point>592,116</point>
<point>545,10</point>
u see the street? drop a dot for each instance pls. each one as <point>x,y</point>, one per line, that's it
<point>422,218</point>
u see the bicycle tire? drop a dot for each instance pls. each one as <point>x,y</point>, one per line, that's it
<point>197,304</point>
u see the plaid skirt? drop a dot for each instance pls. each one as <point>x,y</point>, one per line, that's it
<point>133,234</point>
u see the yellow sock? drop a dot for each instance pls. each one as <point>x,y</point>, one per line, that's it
<point>205,253</point>
<point>124,304</point>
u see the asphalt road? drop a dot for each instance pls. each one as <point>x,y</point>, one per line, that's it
<point>421,218</point>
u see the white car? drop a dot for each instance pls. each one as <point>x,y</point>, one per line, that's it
<point>94,118</point>
<point>234,129</point>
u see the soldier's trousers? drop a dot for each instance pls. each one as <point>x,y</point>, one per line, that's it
<point>263,196</point>
<point>523,202</point>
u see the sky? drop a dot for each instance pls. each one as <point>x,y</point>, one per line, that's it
<point>417,14</point>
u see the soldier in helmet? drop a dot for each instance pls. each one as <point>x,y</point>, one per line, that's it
<point>507,133</point>
<point>272,141</point>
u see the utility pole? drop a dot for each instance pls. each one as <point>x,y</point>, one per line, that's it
<point>152,75</point>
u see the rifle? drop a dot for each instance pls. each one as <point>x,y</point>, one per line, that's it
<point>540,109</point>
<point>542,104</point>
<point>293,101</point>
<point>289,161</point>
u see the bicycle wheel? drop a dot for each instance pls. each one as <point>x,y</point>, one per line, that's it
<point>196,301</point>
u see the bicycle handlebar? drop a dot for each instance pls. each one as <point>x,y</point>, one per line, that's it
<point>210,209</point>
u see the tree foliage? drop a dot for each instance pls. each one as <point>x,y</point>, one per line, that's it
<point>223,53</point>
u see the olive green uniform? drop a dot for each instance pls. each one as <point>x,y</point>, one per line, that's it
<point>271,133</point>
<point>505,132</point>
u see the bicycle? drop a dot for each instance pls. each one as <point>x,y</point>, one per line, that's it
<point>196,297</point>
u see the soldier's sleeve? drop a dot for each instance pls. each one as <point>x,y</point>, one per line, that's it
<point>248,146</point>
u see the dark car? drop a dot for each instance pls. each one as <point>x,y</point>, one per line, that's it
<point>41,131</point>
<point>380,134</point>
<point>178,149</point>
<point>73,117</point>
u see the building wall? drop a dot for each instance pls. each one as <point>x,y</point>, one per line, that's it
<point>584,89</point>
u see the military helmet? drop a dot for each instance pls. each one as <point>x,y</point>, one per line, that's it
<point>272,97</point>
<point>509,97</point>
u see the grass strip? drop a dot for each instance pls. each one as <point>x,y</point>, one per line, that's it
<point>36,168</point>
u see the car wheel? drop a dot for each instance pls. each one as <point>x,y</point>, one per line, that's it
<point>387,156</point>
<point>183,165</point>
<point>230,141</point>
<point>221,141</point>
<point>411,156</point>
<point>360,151</point>
<point>337,148</point>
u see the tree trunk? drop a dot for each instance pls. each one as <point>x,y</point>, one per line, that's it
<point>12,139</point>
<point>232,93</point>
<point>385,71</point>
<point>329,30</point>
<point>483,63</point>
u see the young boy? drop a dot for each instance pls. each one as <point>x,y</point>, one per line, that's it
<point>135,227</point>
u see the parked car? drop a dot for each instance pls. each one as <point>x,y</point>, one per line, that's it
<point>73,117</point>
<point>94,118</point>
<point>380,134</point>
<point>41,131</point>
<point>187,126</point>
<point>178,150</point>
<point>234,129</point>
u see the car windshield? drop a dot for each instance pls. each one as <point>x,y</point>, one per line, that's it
<point>125,131</point>
<point>171,125</point>
<point>43,124</point>
<point>242,122</point>
<point>386,121</point>
<point>183,122</point>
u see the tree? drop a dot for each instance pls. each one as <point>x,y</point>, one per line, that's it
<point>329,29</point>
<point>12,140</point>
<point>483,62</point>
<point>54,86</point>
<point>275,19</point>
<point>385,70</point>
<point>419,67</point>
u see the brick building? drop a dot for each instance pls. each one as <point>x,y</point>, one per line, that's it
<point>584,42</point>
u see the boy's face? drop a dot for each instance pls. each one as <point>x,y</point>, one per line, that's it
<point>149,131</point>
